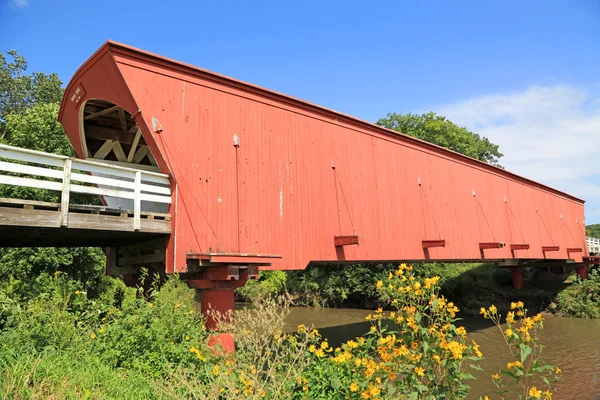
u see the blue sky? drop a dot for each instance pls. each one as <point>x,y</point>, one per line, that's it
<point>525,74</point>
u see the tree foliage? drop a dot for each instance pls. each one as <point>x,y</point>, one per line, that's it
<point>593,230</point>
<point>29,105</point>
<point>443,132</point>
<point>19,91</point>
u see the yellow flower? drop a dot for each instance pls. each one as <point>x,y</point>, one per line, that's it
<point>187,337</point>
<point>510,317</point>
<point>77,292</point>
<point>312,348</point>
<point>476,349</point>
<point>101,330</point>
<point>379,284</point>
<point>496,376</point>
<point>93,336</point>
<point>216,370</point>
<point>150,304</point>
<point>514,364</point>
<point>305,388</point>
<point>353,387</point>
<point>301,328</point>
<point>535,392</point>
<point>508,332</point>
<point>373,329</point>
<point>319,353</point>
<point>547,395</point>
<point>492,309</point>
<point>558,370</point>
<point>419,371</point>
<point>461,331</point>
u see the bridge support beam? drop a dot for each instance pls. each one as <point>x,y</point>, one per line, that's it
<point>517,278</point>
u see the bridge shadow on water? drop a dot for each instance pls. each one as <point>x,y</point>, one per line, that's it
<point>469,286</point>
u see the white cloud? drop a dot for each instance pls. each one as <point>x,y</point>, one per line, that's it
<point>21,3</point>
<point>547,133</point>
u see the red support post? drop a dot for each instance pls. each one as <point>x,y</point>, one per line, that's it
<point>221,300</point>
<point>582,271</point>
<point>517,278</point>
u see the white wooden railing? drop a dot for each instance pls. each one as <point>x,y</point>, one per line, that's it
<point>110,180</point>
<point>593,244</point>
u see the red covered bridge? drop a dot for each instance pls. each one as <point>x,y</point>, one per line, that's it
<point>260,179</point>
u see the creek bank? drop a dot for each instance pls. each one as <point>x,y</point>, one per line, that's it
<point>469,285</point>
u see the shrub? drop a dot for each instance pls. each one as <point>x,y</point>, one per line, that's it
<point>581,298</point>
<point>66,344</point>
<point>268,284</point>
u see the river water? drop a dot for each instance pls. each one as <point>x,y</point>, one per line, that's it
<point>570,343</point>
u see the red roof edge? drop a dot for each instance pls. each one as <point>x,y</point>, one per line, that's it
<point>232,82</point>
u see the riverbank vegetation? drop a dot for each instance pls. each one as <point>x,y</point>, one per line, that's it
<point>130,343</point>
<point>470,285</point>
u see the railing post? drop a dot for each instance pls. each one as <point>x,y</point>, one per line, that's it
<point>137,202</point>
<point>64,199</point>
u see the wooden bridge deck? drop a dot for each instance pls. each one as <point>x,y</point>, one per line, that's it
<point>25,223</point>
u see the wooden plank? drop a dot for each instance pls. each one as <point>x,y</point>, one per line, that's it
<point>134,145</point>
<point>122,119</point>
<point>101,180</point>
<point>34,203</point>
<point>107,181</point>
<point>152,159</point>
<point>491,245</point>
<point>103,133</point>
<point>347,240</point>
<point>116,223</point>
<point>103,209</point>
<point>102,112</point>
<point>550,248</point>
<point>515,247</point>
<point>31,183</point>
<point>30,170</point>
<point>137,201</point>
<point>140,154</point>
<point>142,259</point>
<point>116,168</point>
<point>38,157</point>
<point>118,150</point>
<point>433,243</point>
<point>106,148</point>
<point>64,199</point>
<point>29,217</point>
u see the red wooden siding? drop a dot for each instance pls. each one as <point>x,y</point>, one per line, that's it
<point>303,175</point>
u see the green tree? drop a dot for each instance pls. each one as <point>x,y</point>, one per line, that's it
<point>593,230</point>
<point>29,107</point>
<point>19,91</point>
<point>443,132</point>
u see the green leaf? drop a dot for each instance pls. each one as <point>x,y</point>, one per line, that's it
<point>476,367</point>
<point>466,375</point>
<point>525,352</point>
